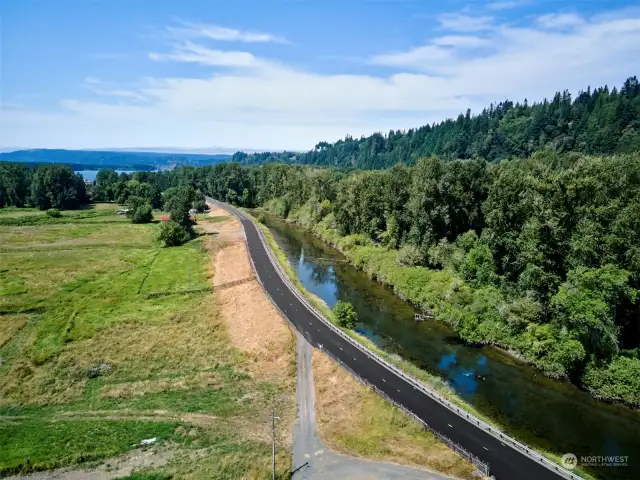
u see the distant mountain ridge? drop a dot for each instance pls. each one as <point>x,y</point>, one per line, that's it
<point>123,160</point>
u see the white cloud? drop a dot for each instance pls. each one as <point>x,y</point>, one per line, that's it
<point>560,20</point>
<point>505,5</point>
<point>465,23</point>
<point>190,52</point>
<point>224,34</point>
<point>460,41</point>
<point>101,88</point>
<point>252,102</point>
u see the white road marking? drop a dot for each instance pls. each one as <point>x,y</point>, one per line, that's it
<point>485,448</point>
<point>450,425</point>
<point>340,348</point>
<point>384,380</point>
<point>354,358</point>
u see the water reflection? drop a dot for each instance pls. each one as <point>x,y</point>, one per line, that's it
<point>555,415</point>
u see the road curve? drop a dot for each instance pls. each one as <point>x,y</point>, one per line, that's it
<point>505,462</point>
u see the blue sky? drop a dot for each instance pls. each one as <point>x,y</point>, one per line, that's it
<point>287,74</point>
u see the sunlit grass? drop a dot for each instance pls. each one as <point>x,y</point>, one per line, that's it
<point>92,361</point>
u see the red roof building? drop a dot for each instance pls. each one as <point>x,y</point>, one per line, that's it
<point>165,218</point>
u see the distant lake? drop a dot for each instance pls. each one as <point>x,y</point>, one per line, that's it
<point>90,175</point>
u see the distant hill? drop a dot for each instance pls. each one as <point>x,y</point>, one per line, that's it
<point>95,160</point>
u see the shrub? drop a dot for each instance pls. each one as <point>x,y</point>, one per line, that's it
<point>345,315</point>
<point>142,214</point>
<point>616,381</point>
<point>354,240</point>
<point>409,256</point>
<point>262,218</point>
<point>54,213</point>
<point>173,234</point>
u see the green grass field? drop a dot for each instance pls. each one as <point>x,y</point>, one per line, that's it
<point>107,339</point>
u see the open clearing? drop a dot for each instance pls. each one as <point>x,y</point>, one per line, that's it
<point>107,340</point>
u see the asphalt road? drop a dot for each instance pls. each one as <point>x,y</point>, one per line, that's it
<point>504,461</point>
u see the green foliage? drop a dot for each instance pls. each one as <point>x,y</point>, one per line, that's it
<point>15,185</point>
<point>409,256</point>
<point>345,315</point>
<point>172,234</point>
<point>598,121</point>
<point>57,186</point>
<point>178,201</point>
<point>478,267</point>
<point>262,218</point>
<point>142,214</point>
<point>54,213</point>
<point>232,197</point>
<point>618,380</point>
<point>586,304</point>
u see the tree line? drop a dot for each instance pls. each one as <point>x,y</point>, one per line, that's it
<point>44,187</point>
<point>598,121</point>
<point>538,255</point>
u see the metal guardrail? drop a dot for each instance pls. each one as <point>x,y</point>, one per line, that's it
<point>493,431</point>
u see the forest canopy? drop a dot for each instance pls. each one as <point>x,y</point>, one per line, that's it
<point>598,121</point>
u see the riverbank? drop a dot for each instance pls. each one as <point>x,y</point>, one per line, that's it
<point>479,316</point>
<point>531,394</point>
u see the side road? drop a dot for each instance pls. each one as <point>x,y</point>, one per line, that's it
<point>505,461</point>
<point>320,463</point>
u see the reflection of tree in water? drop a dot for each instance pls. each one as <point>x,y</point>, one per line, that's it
<point>321,272</point>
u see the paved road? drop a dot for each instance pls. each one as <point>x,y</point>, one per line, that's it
<point>320,462</point>
<point>504,461</point>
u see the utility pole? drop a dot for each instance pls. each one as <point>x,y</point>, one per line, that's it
<point>273,445</point>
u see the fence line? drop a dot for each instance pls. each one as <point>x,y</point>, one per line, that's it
<point>476,422</point>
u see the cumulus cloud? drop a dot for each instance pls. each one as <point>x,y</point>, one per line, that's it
<point>250,101</point>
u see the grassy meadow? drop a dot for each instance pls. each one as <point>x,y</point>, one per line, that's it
<point>107,340</point>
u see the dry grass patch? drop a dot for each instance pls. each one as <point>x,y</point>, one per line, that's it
<point>9,325</point>
<point>254,326</point>
<point>232,264</point>
<point>215,211</point>
<point>145,387</point>
<point>354,420</point>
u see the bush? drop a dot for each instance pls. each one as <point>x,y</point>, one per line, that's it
<point>616,381</point>
<point>345,315</point>
<point>173,234</point>
<point>142,214</point>
<point>262,218</point>
<point>200,205</point>
<point>54,213</point>
<point>409,256</point>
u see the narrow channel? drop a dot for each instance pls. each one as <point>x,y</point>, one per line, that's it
<point>550,414</point>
